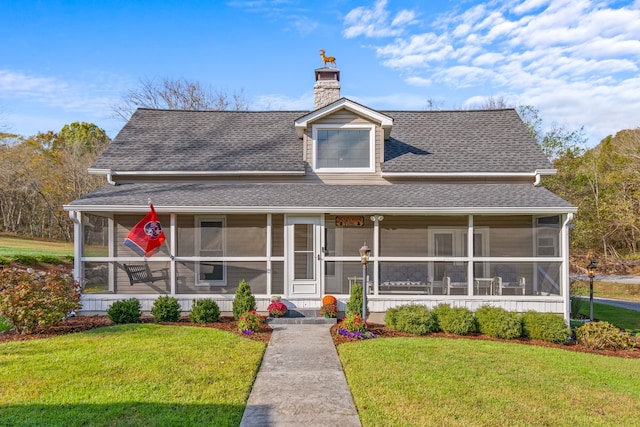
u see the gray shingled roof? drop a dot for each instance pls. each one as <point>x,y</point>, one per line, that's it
<point>226,141</point>
<point>461,141</point>
<point>175,140</point>
<point>290,197</point>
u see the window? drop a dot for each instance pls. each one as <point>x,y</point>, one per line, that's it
<point>344,148</point>
<point>210,243</point>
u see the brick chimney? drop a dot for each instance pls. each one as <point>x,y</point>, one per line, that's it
<point>327,87</point>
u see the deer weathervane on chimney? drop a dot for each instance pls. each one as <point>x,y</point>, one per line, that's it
<point>327,59</point>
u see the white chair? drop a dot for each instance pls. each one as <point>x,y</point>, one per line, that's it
<point>506,278</point>
<point>455,277</point>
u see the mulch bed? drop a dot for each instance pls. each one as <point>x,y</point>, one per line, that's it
<point>381,331</point>
<point>83,323</point>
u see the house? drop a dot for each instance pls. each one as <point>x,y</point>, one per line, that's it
<point>449,202</point>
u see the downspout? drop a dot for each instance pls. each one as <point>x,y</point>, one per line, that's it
<point>537,181</point>
<point>110,179</point>
<point>77,243</point>
<point>565,265</point>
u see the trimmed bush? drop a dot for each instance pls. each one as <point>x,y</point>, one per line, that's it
<point>456,320</point>
<point>125,311</point>
<point>244,300</point>
<point>354,305</point>
<point>604,336</point>
<point>413,319</point>
<point>31,300</point>
<point>546,327</point>
<point>499,323</point>
<point>391,318</point>
<point>204,311</point>
<point>166,309</point>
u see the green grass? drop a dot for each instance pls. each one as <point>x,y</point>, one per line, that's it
<point>623,291</point>
<point>621,317</point>
<point>128,375</point>
<point>437,382</point>
<point>12,246</point>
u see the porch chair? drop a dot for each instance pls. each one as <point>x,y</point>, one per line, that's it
<point>455,277</point>
<point>506,278</point>
<point>143,274</point>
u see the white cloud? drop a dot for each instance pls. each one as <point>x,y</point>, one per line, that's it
<point>376,22</point>
<point>574,60</point>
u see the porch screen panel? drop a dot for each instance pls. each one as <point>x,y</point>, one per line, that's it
<point>346,240</point>
<point>277,277</point>
<point>124,224</point>
<point>508,236</point>
<point>254,272</point>
<point>403,236</point>
<point>96,235</point>
<point>346,274</point>
<point>246,235</point>
<point>303,251</point>
<point>159,284</point>
<point>95,277</point>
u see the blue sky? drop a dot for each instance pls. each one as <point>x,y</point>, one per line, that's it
<point>576,61</point>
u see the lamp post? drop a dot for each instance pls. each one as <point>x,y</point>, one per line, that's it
<point>365,252</point>
<point>591,269</point>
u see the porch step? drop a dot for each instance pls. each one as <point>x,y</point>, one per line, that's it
<point>299,316</point>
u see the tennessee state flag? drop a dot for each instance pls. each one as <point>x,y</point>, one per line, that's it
<point>147,235</point>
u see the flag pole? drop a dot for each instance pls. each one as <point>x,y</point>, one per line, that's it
<point>165,240</point>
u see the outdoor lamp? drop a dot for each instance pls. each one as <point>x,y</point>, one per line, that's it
<point>591,269</point>
<point>365,252</point>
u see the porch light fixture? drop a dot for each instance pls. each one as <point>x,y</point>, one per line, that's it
<point>591,269</point>
<point>365,252</point>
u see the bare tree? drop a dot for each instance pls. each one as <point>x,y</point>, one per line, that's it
<point>177,94</point>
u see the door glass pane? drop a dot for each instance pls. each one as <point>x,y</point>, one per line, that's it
<point>303,253</point>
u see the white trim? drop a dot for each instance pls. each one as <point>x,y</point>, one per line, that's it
<point>535,174</point>
<point>385,121</point>
<point>372,148</point>
<point>386,210</point>
<point>112,173</point>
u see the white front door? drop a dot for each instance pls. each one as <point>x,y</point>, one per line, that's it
<point>303,256</point>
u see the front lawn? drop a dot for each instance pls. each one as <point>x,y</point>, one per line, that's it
<point>129,375</point>
<point>464,382</point>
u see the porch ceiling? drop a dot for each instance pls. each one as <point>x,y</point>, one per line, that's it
<point>458,198</point>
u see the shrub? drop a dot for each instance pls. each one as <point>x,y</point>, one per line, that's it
<point>31,300</point>
<point>27,260</point>
<point>414,319</point>
<point>604,336</point>
<point>249,322</point>
<point>244,300</point>
<point>456,320</point>
<point>545,326</point>
<point>166,309</point>
<point>354,326</point>
<point>329,310</point>
<point>391,317</point>
<point>354,305</point>
<point>204,311</point>
<point>277,309</point>
<point>5,325</point>
<point>125,311</point>
<point>48,259</point>
<point>498,323</point>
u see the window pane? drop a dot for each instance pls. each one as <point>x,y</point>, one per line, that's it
<point>343,149</point>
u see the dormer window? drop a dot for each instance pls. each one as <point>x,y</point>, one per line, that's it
<point>346,148</point>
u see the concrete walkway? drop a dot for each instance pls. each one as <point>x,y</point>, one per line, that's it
<point>300,381</point>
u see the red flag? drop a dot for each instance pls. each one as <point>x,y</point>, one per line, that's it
<point>147,235</point>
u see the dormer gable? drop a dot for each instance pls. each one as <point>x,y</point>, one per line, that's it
<point>304,122</point>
